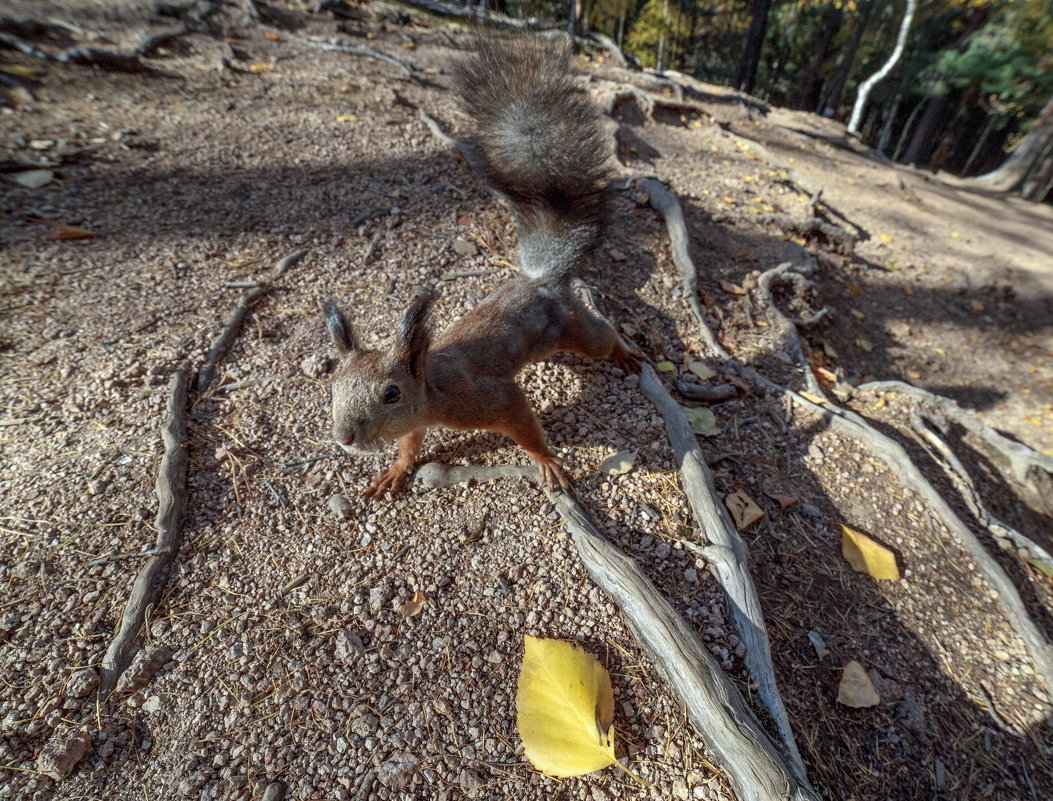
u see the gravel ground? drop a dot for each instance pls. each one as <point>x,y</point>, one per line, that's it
<point>278,654</point>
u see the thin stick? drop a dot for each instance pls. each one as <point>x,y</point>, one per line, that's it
<point>171,504</point>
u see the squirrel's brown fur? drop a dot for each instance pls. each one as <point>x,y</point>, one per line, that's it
<point>536,141</point>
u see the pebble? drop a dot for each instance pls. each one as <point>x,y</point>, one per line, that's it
<point>62,754</point>
<point>82,683</point>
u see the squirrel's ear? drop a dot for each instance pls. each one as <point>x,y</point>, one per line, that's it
<point>339,328</point>
<point>413,337</point>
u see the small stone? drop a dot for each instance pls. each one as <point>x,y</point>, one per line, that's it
<point>340,506</point>
<point>60,756</point>
<point>691,575</point>
<point>365,726</point>
<point>82,683</point>
<point>314,366</point>
<point>462,247</point>
<point>348,647</point>
<point>152,705</point>
<point>397,771</point>
<point>275,792</point>
<point>378,598</point>
<point>469,781</point>
<point>143,668</point>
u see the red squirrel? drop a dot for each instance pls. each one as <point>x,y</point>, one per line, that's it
<point>536,141</point>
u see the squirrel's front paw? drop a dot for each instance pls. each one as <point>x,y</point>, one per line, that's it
<point>389,480</point>
<point>551,473</point>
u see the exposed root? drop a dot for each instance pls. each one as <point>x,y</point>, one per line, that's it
<point>171,503</point>
<point>725,552</point>
<point>787,333</point>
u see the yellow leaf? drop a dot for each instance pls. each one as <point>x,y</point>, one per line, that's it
<point>857,314</point>
<point>19,70</point>
<point>885,238</point>
<point>260,67</point>
<point>977,305</point>
<point>702,370</point>
<point>413,606</point>
<point>743,510</point>
<point>955,234</point>
<point>727,199</point>
<point>665,367</point>
<point>564,708</point>
<point>817,399</point>
<point>867,556</point>
<point>856,689</point>
<point>347,118</point>
<point>618,463</point>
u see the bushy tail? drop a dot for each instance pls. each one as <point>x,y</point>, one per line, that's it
<point>537,140</point>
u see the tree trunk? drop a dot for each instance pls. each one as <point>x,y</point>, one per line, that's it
<point>751,51</point>
<point>902,141</point>
<point>1037,184</point>
<point>921,145</point>
<point>886,129</point>
<point>988,127</point>
<point>1017,167</point>
<point>864,90</point>
<point>833,98</point>
<point>813,82</point>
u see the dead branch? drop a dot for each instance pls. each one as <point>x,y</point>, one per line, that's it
<point>841,240</point>
<point>667,204</point>
<point>1021,459</point>
<point>717,710</point>
<point>171,503</point>
<point>787,333</point>
<point>895,456</point>
<point>713,393</point>
<point>726,554</point>
<point>223,341</point>
<point>1005,536</point>
<point>342,46</point>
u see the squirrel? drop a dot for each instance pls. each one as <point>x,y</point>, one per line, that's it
<point>536,141</point>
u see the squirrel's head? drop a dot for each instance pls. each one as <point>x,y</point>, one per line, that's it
<point>378,396</point>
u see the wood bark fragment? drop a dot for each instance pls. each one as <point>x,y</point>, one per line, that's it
<point>221,344</point>
<point>725,552</point>
<point>171,504</point>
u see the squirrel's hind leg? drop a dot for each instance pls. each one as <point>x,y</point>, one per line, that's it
<point>522,425</point>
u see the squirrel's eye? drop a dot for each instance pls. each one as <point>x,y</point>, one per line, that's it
<point>392,394</point>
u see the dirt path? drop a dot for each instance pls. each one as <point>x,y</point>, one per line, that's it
<point>283,655</point>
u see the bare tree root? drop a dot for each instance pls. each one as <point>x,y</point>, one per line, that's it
<point>171,503</point>
<point>193,22</point>
<point>1007,537</point>
<point>667,204</point>
<point>1022,461</point>
<point>717,710</point>
<point>839,239</point>
<point>725,552</point>
<point>787,333</point>
<point>893,454</point>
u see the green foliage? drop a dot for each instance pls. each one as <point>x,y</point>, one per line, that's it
<point>660,33</point>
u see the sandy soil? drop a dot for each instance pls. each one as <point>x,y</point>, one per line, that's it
<point>282,655</point>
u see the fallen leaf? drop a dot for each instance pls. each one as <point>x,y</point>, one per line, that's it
<point>857,314</point>
<point>828,376</point>
<point>702,370</point>
<point>34,179</point>
<point>62,231</point>
<point>864,344</point>
<point>867,555</point>
<point>564,708</point>
<point>413,606</point>
<point>272,37</point>
<point>1041,567</point>
<point>702,421</point>
<point>19,70</point>
<point>856,689</point>
<point>885,238</point>
<point>618,463</point>
<point>665,367</point>
<point>817,399</point>
<point>260,67</point>
<point>730,288</point>
<point>955,234</point>
<point>854,288</point>
<point>818,643</point>
<point>977,305</point>
<point>347,118</point>
<point>743,510</point>
<point>784,501</point>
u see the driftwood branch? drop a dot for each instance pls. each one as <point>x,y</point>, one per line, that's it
<point>734,736</point>
<point>725,552</point>
<point>171,503</point>
<point>895,456</point>
<point>667,204</point>
<point>1007,537</point>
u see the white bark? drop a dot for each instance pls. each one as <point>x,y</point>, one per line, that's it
<point>864,90</point>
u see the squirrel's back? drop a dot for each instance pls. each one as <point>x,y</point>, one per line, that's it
<point>537,140</point>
